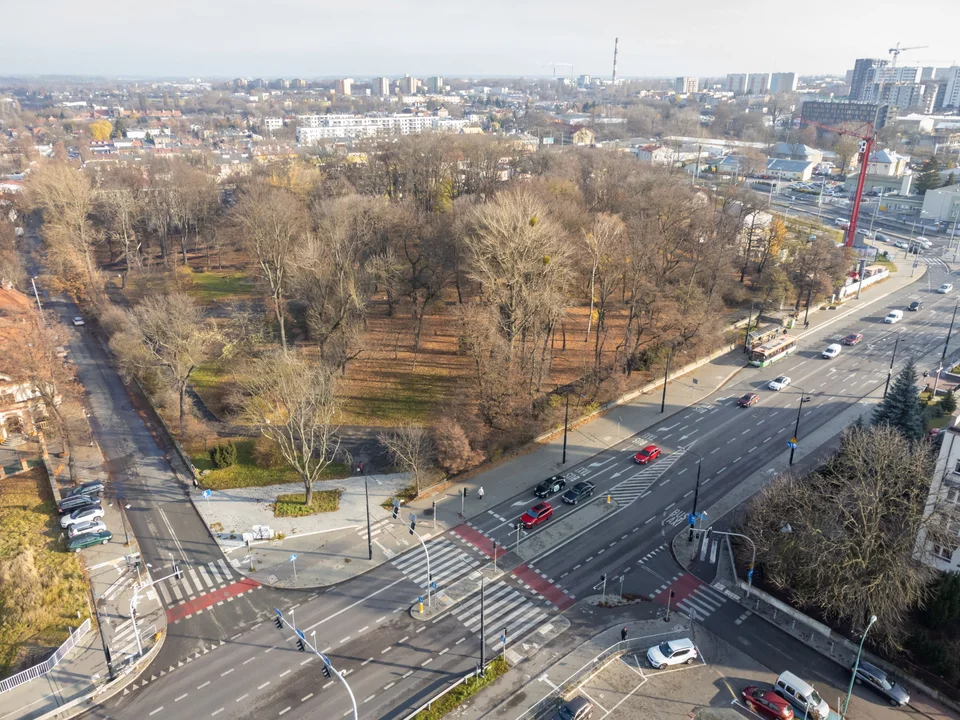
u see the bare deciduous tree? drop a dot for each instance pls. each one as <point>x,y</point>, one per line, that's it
<point>454,453</point>
<point>411,450</point>
<point>292,400</point>
<point>272,225</point>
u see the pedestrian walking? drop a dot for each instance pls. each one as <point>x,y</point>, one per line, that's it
<point>480,492</point>
<point>361,467</point>
<point>623,634</point>
<point>806,324</point>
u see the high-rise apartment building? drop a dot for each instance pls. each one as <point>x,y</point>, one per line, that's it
<point>686,85</point>
<point>435,85</point>
<point>737,83</point>
<point>408,85</point>
<point>783,82</point>
<point>345,86</point>
<point>863,76</point>
<point>951,96</point>
<point>381,86</point>
<point>758,84</point>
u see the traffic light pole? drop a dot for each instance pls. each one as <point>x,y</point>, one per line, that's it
<point>328,666</point>
<point>796,429</point>
<point>133,603</point>
<point>412,525</point>
<point>753,558</point>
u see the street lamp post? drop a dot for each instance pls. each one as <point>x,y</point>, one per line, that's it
<point>566,424</point>
<point>856,666</point>
<point>696,494</point>
<point>943,355</point>
<point>366,495</point>
<point>666,376</point>
<point>890,369</point>
<point>796,429</point>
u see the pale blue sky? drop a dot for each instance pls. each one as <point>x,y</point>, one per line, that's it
<point>308,38</point>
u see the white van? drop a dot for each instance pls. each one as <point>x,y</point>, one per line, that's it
<point>831,351</point>
<point>802,696</point>
<point>841,223</point>
<point>895,316</point>
<point>945,288</point>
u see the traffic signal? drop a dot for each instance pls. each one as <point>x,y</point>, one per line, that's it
<point>709,532</point>
<point>326,671</point>
<point>178,573</point>
<point>396,509</point>
<point>279,623</point>
<point>603,578</point>
<point>300,646</point>
<point>413,523</point>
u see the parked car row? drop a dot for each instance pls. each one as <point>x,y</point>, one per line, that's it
<point>82,516</point>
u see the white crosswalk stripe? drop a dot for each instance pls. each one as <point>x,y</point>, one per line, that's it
<point>934,262</point>
<point>196,581</point>
<point>626,491</point>
<point>448,561</point>
<point>503,607</point>
<point>702,602</point>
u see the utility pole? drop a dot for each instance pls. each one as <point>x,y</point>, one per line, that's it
<point>890,369</point>
<point>796,429</point>
<point>696,495</point>
<point>943,355</point>
<point>666,376</point>
<point>746,334</point>
<point>37,296</point>
<point>103,639</point>
<point>366,495</point>
<point>566,424</point>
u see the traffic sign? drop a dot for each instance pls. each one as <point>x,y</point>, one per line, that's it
<point>791,444</point>
<point>750,574</point>
<point>279,614</point>
<point>292,558</point>
<point>302,636</point>
<point>691,519</point>
<point>420,599</point>
<point>206,493</point>
<point>433,585</point>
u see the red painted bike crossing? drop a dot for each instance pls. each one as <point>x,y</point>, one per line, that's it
<point>214,597</point>
<point>524,573</point>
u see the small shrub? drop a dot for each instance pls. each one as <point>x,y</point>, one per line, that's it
<point>948,402</point>
<point>223,456</point>
<point>937,411</point>
<point>266,453</point>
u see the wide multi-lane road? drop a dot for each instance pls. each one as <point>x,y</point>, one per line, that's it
<point>392,660</point>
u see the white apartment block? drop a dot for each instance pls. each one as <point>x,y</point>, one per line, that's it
<point>313,128</point>
<point>686,85</point>
<point>345,86</point>
<point>272,123</point>
<point>737,83</point>
<point>943,499</point>
<point>783,82</point>
<point>951,98</point>
<point>758,84</point>
<point>381,86</point>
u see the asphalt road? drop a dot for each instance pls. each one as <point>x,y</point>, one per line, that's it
<point>393,661</point>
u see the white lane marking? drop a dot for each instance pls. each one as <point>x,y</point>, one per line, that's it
<point>261,687</point>
<point>243,697</point>
<point>181,697</point>
<point>358,602</point>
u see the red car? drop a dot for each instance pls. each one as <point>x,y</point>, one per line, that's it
<point>748,400</point>
<point>650,452</point>
<point>853,338</point>
<point>541,512</point>
<point>766,703</point>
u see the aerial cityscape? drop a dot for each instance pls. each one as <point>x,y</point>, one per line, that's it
<point>401,372</point>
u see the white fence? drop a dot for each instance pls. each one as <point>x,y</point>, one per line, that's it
<point>50,663</point>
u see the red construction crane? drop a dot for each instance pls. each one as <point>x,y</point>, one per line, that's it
<point>867,140</point>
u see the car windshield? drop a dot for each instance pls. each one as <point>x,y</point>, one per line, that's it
<point>815,698</point>
<point>665,649</point>
<point>566,713</point>
<point>646,451</point>
<point>780,379</point>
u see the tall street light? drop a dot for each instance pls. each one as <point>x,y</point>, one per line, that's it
<point>696,494</point>
<point>856,666</point>
<point>483,649</point>
<point>796,429</point>
<point>566,425</point>
<point>943,355</point>
<point>890,369</point>
<point>666,376</point>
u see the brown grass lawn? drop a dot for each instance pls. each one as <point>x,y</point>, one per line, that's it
<point>42,587</point>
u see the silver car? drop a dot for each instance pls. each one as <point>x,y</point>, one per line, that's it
<point>85,528</point>
<point>883,683</point>
<point>79,516</point>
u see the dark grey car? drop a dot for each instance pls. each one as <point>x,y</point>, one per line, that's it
<point>76,502</point>
<point>577,709</point>
<point>92,488</point>
<point>883,682</point>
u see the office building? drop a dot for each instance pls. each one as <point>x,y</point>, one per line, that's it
<point>435,85</point>
<point>951,93</point>
<point>863,76</point>
<point>381,86</point>
<point>737,83</point>
<point>686,85</point>
<point>343,87</point>
<point>783,82</point>
<point>836,112</point>
<point>758,84</point>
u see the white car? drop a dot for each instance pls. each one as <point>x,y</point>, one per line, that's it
<point>902,244</point>
<point>831,351</point>
<point>945,288</point>
<point>779,383</point>
<point>85,528</point>
<point>79,516</point>
<point>78,321</point>
<point>672,652</point>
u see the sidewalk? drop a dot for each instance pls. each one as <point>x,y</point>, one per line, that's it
<point>334,548</point>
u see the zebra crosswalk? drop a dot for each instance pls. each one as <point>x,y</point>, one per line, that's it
<point>124,638</point>
<point>196,580</point>
<point>504,607</point>
<point>448,561</point>
<point>702,602</point>
<point>626,491</point>
<point>935,262</point>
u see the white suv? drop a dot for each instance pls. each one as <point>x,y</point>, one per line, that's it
<point>672,652</point>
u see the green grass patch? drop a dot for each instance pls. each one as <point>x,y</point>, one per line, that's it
<point>246,473</point>
<point>397,398</point>
<point>404,496</point>
<point>217,286</point>
<point>295,505</point>
<point>43,588</point>
<point>211,383</point>
<point>885,262</point>
<point>463,692</point>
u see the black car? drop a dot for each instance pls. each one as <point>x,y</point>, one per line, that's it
<point>577,709</point>
<point>915,305</point>
<point>550,486</point>
<point>77,502</point>
<point>578,492</point>
<point>882,682</point>
<point>92,488</point>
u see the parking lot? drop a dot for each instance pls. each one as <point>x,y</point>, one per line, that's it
<point>629,688</point>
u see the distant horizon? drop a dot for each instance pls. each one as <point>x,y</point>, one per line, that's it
<point>503,38</point>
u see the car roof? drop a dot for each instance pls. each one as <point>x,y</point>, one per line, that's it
<point>578,703</point>
<point>541,506</point>
<point>649,447</point>
<point>582,484</point>
<point>681,644</point>
<point>872,669</point>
